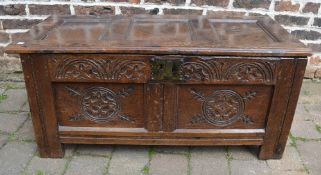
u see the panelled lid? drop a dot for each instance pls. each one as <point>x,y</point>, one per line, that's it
<point>142,34</point>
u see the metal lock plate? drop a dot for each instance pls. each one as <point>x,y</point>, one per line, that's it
<point>166,69</point>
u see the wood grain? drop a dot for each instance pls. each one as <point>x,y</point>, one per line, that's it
<point>161,80</point>
<point>187,35</point>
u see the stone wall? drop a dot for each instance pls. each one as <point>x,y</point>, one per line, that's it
<point>300,17</point>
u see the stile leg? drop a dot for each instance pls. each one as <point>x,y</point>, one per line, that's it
<point>276,137</point>
<point>41,103</point>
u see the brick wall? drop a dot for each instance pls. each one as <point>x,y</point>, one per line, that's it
<point>300,17</point>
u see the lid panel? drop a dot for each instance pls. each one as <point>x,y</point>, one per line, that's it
<point>71,32</point>
<point>159,34</point>
<point>159,31</point>
<point>241,32</point>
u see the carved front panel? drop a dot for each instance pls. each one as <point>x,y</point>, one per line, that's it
<point>209,94</point>
<point>99,68</point>
<point>222,106</point>
<point>113,105</point>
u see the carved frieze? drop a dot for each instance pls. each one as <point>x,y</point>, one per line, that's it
<point>222,107</point>
<point>259,71</point>
<point>103,69</point>
<point>80,69</point>
<point>197,71</point>
<point>138,70</point>
<point>99,104</point>
<point>226,70</point>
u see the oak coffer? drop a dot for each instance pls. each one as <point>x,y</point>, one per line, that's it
<point>161,80</point>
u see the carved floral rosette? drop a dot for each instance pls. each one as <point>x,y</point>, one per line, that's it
<point>99,104</point>
<point>222,107</point>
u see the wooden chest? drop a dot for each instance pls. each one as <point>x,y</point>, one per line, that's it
<point>161,80</point>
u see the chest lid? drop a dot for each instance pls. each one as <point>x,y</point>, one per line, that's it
<point>190,35</point>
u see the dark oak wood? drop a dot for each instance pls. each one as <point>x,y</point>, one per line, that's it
<point>282,110</point>
<point>156,141</point>
<point>193,35</point>
<point>42,106</point>
<point>161,80</point>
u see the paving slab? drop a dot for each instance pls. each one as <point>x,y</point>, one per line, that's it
<point>12,85</point>
<point>310,152</point>
<point>11,122</point>
<point>169,164</point>
<point>2,90</point>
<point>208,161</point>
<point>14,156</point>
<point>249,167</point>
<point>302,113</point>
<point>305,129</point>
<point>3,140</point>
<point>11,77</point>
<point>128,160</point>
<point>315,111</point>
<point>303,124</point>
<point>16,98</point>
<point>288,142</point>
<point>87,165</point>
<point>25,107</point>
<point>69,149</point>
<point>244,152</point>
<point>96,150</point>
<point>310,93</point>
<point>46,166</point>
<point>26,132</point>
<point>171,149</point>
<point>276,172</point>
<point>290,161</point>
